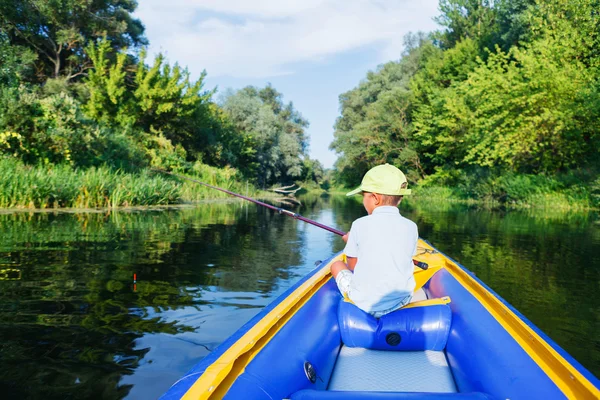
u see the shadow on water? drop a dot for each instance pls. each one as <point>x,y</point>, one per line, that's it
<point>72,325</point>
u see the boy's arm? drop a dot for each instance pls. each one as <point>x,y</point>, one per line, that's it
<point>351,262</point>
<point>351,247</point>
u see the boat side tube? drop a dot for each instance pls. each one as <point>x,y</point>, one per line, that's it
<point>407,329</point>
<point>302,358</point>
<point>484,352</point>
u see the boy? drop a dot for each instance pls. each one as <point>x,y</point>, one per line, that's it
<point>378,276</point>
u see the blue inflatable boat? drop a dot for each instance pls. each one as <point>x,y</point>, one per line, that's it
<point>457,339</point>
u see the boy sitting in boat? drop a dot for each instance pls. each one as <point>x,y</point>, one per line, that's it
<point>378,276</point>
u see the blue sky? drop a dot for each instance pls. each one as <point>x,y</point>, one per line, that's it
<point>310,50</point>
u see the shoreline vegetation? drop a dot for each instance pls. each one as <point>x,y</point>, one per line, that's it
<point>60,187</point>
<point>85,115</point>
<point>497,109</point>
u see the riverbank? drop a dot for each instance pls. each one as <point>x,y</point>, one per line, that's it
<point>573,198</point>
<point>567,192</point>
<point>51,187</point>
<point>60,186</point>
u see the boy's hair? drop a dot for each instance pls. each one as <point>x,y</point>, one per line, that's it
<point>393,200</point>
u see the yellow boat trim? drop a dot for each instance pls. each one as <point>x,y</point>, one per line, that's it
<point>422,276</point>
<point>428,302</point>
<point>220,375</point>
<point>566,377</point>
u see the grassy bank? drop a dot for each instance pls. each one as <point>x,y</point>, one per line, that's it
<point>55,186</point>
<point>58,186</point>
<point>573,191</point>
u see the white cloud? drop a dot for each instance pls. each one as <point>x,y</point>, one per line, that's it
<point>259,39</point>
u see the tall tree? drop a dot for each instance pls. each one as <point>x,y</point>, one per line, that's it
<point>273,132</point>
<point>488,23</point>
<point>375,125</point>
<point>58,30</point>
<point>531,109</point>
<point>16,62</point>
<point>160,100</point>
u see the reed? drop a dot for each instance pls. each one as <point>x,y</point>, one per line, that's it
<point>57,186</point>
<point>225,178</point>
<point>517,196</point>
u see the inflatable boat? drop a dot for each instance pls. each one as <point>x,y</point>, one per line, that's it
<point>457,339</point>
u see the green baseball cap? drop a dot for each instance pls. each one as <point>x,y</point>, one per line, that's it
<point>383,179</point>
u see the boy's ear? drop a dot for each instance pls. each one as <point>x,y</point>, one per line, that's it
<point>377,198</point>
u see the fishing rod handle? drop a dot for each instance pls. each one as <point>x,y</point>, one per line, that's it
<point>421,264</point>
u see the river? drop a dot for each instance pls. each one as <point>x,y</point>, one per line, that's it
<point>73,324</point>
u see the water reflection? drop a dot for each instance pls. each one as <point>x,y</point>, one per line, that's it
<point>71,324</point>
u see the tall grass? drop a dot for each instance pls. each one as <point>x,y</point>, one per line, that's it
<point>55,186</point>
<point>225,178</point>
<point>572,191</point>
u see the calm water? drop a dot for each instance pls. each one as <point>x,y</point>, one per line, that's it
<point>73,325</point>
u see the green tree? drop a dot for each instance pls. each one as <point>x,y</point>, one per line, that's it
<point>16,63</point>
<point>375,125</point>
<point>149,102</point>
<point>532,109</point>
<point>312,171</point>
<point>58,30</point>
<point>488,23</point>
<point>273,134</point>
<point>432,90</point>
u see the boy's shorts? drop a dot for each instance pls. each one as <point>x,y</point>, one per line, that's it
<point>379,314</point>
<point>343,280</point>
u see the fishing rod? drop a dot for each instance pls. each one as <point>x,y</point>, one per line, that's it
<point>280,210</point>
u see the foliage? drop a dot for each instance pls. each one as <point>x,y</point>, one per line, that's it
<point>47,127</point>
<point>60,186</point>
<point>495,189</point>
<point>160,100</point>
<point>274,140</point>
<point>56,186</point>
<point>430,88</point>
<point>312,171</point>
<point>16,62</point>
<point>488,23</point>
<point>374,125</point>
<point>126,115</point>
<point>509,90</point>
<point>57,31</point>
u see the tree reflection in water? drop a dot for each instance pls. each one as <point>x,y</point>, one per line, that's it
<point>69,325</point>
<point>72,326</point>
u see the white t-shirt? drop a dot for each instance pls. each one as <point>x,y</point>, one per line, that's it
<point>384,243</point>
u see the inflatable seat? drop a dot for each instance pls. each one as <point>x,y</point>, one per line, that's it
<point>423,325</point>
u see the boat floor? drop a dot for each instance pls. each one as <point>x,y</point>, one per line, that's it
<point>359,369</point>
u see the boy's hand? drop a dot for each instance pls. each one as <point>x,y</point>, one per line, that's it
<point>345,237</point>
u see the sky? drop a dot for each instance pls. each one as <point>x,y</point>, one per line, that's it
<point>311,51</point>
